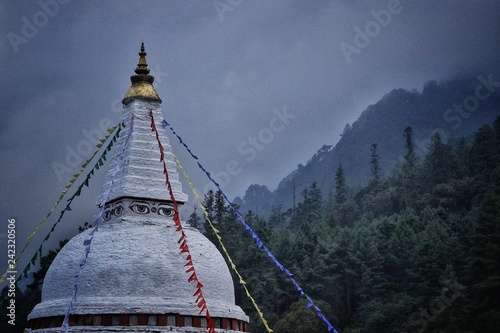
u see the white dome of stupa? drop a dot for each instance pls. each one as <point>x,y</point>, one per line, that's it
<point>135,267</point>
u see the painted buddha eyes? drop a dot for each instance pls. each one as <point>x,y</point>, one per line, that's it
<point>115,209</point>
<point>141,207</point>
<point>118,210</point>
<point>165,210</point>
<point>107,214</point>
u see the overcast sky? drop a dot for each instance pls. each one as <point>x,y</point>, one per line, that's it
<point>224,70</point>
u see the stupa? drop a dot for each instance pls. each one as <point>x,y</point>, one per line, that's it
<point>134,279</point>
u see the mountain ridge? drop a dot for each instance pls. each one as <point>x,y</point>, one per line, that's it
<point>455,108</point>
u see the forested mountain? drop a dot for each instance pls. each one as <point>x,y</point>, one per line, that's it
<point>450,108</point>
<point>415,251</point>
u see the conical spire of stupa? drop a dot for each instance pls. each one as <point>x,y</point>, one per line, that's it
<point>141,175</point>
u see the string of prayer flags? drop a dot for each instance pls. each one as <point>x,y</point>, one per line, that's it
<point>95,222</point>
<point>63,194</point>
<point>184,247</point>
<point>224,249</point>
<point>260,244</point>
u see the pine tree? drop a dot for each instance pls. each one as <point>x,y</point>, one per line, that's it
<point>410,156</point>
<point>220,208</point>
<point>483,263</point>
<point>462,152</point>
<point>440,161</point>
<point>329,211</point>
<point>374,165</point>
<point>340,186</point>
<point>195,220</point>
<point>208,203</point>
<point>345,276</point>
<point>277,218</point>
<point>310,210</point>
<point>484,155</point>
<point>409,186</point>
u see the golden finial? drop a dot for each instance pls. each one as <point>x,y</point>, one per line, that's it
<point>142,66</point>
<point>142,82</point>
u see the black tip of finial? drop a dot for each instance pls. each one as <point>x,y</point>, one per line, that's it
<point>142,53</point>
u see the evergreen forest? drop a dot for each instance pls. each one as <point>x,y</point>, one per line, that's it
<point>415,251</point>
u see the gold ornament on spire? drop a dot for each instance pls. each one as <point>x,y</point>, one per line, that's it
<point>142,82</point>
<point>142,66</point>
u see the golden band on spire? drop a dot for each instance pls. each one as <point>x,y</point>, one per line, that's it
<point>142,82</point>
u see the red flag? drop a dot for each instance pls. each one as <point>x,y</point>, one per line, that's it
<point>184,245</point>
<point>200,300</point>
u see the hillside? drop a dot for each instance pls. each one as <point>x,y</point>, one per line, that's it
<point>414,252</point>
<point>450,108</point>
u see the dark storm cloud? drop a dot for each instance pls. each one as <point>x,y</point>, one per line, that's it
<point>223,76</point>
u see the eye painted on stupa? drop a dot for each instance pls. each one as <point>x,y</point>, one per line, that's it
<point>166,210</point>
<point>108,212</point>
<point>140,207</point>
<point>118,209</point>
<point>115,209</point>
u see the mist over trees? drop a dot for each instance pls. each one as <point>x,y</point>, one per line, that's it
<point>437,108</point>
